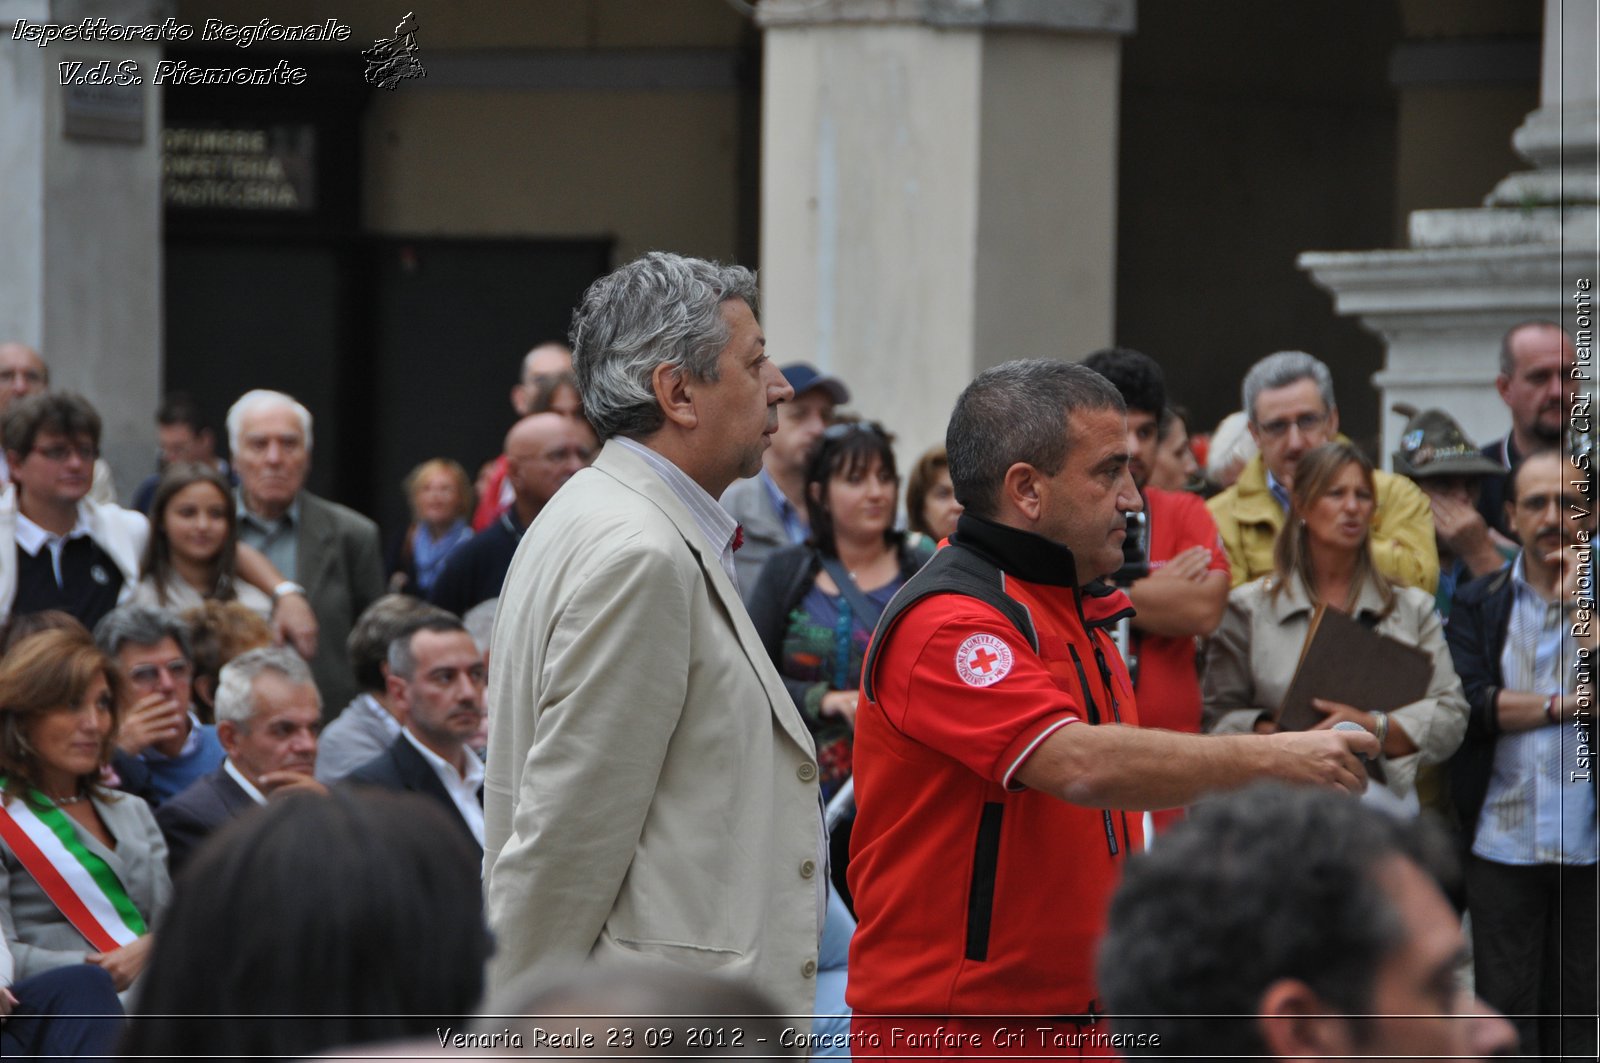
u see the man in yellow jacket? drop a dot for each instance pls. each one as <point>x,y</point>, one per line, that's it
<point>1288,397</point>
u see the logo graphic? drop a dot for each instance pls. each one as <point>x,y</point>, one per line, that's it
<point>983,660</point>
<point>390,60</point>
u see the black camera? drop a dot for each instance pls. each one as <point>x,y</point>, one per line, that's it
<point>1135,552</point>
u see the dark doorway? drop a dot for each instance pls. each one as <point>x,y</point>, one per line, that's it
<point>451,321</point>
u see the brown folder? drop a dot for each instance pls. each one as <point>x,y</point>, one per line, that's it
<point>1347,662</point>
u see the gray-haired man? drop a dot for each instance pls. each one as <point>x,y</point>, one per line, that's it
<point>268,717</point>
<point>651,792</point>
<point>1288,398</point>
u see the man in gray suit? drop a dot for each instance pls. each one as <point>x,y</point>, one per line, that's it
<point>330,551</point>
<point>651,793</point>
<point>771,506</point>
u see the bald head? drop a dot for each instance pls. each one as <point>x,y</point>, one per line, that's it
<point>22,372</point>
<point>543,450</point>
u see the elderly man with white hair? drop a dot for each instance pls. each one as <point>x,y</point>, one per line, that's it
<point>268,719</point>
<point>330,552</point>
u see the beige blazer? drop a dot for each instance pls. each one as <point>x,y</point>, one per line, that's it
<point>651,793</point>
<point>1251,658</point>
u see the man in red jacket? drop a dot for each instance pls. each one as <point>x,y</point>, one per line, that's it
<point>997,752</point>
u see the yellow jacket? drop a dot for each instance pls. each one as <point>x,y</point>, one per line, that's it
<point>1402,543</point>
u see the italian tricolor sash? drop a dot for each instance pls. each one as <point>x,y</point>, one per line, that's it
<point>78,882</point>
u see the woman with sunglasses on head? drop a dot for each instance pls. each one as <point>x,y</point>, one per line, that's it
<point>83,869</point>
<point>816,604</point>
<point>1323,556</point>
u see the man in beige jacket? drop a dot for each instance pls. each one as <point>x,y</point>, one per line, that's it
<point>651,793</point>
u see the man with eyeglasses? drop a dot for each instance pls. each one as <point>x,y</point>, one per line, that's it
<point>162,745</point>
<point>1523,780</point>
<point>58,550</point>
<point>1288,398</point>
<point>24,373</point>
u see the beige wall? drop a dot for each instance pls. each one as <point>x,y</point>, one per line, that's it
<point>1047,163</point>
<point>655,170</point>
<point>869,213</point>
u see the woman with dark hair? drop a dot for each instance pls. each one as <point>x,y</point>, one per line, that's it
<point>339,920</point>
<point>441,499</point>
<point>931,506</point>
<point>816,604</point>
<point>83,870</point>
<point>192,552</point>
<point>1322,556</point>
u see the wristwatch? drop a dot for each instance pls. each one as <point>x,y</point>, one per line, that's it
<point>287,587</point>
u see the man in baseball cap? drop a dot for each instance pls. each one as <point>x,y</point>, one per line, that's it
<point>771,506</point>
<point>1437,455</point>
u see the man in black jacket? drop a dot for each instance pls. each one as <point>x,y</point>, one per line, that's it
<point>1523,783</point>
<point>436,680</point>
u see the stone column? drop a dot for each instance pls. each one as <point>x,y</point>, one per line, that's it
<point>1442,305</point>
<point>81,168</point>
<point>938,191</point>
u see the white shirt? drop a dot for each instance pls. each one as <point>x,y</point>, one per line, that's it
<point>713,521</point>
<point>244,784</point>
<point>33,538</point>
<point>463,789</point>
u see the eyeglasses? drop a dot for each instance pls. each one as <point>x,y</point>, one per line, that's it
<point>1306,423</point>
<point>62,451</point>
<point>145,676</point>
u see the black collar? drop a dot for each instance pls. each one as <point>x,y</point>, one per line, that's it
<point>1023,554</point>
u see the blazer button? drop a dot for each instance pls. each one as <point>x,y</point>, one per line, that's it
<point>808,868</point>
<point>807,772</point>
<point>808,969</point>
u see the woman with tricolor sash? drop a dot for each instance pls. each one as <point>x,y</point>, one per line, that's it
<point>83,869</point>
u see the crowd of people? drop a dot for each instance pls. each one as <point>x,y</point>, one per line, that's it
<point>682,678</point>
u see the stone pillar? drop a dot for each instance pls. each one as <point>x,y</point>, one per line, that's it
<point>81,168</point>
<point>1442,305</point>
<point>938,191</point>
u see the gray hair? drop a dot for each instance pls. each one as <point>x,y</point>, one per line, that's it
<point>235,701</point>
<point>659,309</point>
<point>402,660</point>
<point>1018,411</point>
<point>1279,371</point>
<point>378,625</point>
<point>264,399</point>
<point>141,625</point>
<point>1508,357</point>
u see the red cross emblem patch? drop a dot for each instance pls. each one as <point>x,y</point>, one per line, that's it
<point>983,660</point>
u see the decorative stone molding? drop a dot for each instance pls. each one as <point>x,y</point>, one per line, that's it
<point>1062,16</point>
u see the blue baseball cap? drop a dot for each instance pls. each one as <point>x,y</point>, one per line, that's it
<point>804,377</point>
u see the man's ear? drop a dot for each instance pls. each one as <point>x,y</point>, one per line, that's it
<point>1022,488</point>
<point>399,696</point>
<point>1502,384</point>
<point>674,394</point>
<point>228,735</point>
<point>1333,422</point>
<point>1294,1022</point>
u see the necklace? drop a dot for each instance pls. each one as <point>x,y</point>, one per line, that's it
<point>74,799</point>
